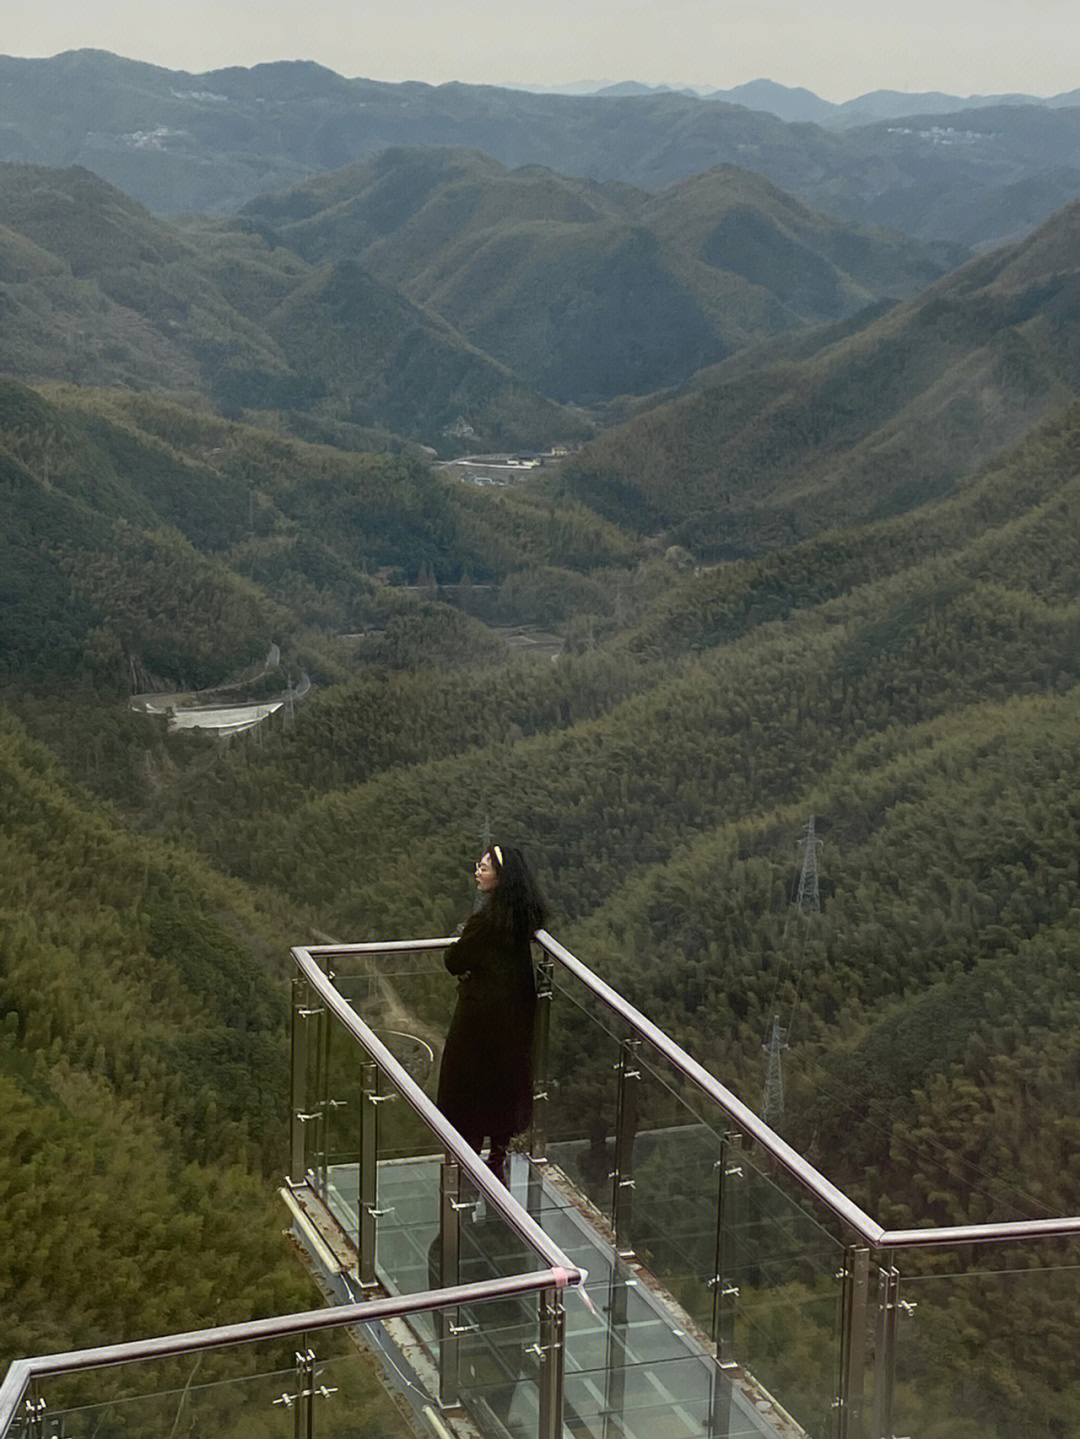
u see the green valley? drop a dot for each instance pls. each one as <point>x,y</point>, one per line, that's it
<point>816,554</point>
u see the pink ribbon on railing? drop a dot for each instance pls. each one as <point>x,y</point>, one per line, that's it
<point>562,1279</point>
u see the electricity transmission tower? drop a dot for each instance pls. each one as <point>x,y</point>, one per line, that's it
<point>772,1096</point>
<point>808,900</point>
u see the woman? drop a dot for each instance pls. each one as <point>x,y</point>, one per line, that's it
<point>485,1082</point>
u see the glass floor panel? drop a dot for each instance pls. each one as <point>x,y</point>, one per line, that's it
<point>634,1369</point>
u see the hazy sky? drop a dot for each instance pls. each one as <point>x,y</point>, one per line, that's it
<point>838,49</point>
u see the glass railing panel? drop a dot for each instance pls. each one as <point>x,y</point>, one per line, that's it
<point>350,1400</point>
<point>407,1189</point>
<point>339,1127</point>
<point>401,993</point>
<point>669,1399</point>
<point>671,1216</point>
<point>484,1357</point>
<point>631,1367</point>
<point>780,1294</point>
<point>990,1354</point>
<point>408,1207</point>
<point>306,1080</point>
<point>772,1293</point>
<point>501,1364</point>
<point>404,1158</point>
<point>225,1408</point>
<point>336,1132</point>
<point>582,1088</point>
<point>336,1384</point>
<point>248,1389</point>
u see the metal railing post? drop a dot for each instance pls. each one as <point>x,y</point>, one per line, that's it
<point>447,1325</point>
<point>541,1065</point>
<point>302,1403</point>
<point>552,1351</point>
<point>323,1026</point>
<point>854,1342</point>
<point>615,1344</point>
<point>622,1175</point>
<point>730,1218</point>
<point>297,1076</point>
<point>367,1199</point>
<point>35,1412</point>
<point>303,1107</point>
<point>888,1310</point>
<point>305,1384</point>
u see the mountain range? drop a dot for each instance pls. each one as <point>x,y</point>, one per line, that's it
<point>425,288</point>
<point>826,565</point>
<point>797,104</point>
<point>854,422</point>
<point>97,291</point>
<point>589,290</point>
<point>181,142</point>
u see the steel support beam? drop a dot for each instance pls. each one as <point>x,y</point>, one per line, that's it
<point>299,1112</point>
<point>622,1175</point>
<point>552,1355</point>
<point>541,1064</point>
<point>854,1343</point>
<point>730,1221</point>
<point>888,1310</point>
<point>367,1199</point>
<point>448,1320</point>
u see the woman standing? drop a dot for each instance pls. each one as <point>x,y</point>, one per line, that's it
<point>485,1082</point>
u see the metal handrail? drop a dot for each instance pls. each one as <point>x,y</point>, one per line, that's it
<point>169,1346</point>
<point>496,1194</point>
<point>801,1169</point>
<point>835,1200</point>
<point>390,946</point>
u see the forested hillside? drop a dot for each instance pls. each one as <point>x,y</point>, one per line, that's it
<point>99,292</point>
<point>143,1065</point>
<point>427,290</point>
<point>903,682</point>
<point>857,422</point>
<point>836,577</point>
<point>590,290</point>
<point>146,542</point>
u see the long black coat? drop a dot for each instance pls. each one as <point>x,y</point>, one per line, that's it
<point>485,1082</point>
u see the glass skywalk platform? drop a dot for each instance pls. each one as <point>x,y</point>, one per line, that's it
<point>661,1264</point>
<point>635,1364</point>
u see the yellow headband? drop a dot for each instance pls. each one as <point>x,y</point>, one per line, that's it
<point>497,852</point>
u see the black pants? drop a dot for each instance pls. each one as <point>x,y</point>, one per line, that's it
<point>496,1160</point>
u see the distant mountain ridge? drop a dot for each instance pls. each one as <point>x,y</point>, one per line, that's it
<point>426,287</point>
<point>798,105</point>
<point>180,142</point>
<point>589,290</point>
<point>99,292</point>
<point>865,421</point>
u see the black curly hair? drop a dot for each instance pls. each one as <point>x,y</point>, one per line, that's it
<point>516,904</point>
